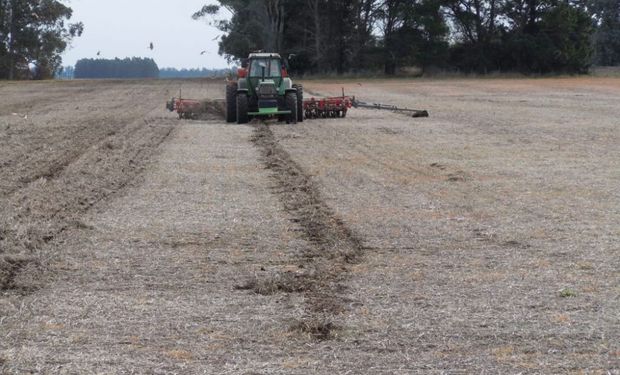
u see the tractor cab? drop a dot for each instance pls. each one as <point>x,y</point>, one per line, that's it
<point>265,78</point>
<point>265,74</point>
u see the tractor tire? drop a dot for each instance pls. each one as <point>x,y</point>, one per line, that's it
<point>242,109</point>
<point>291,105</point>
<point>300,102</point>
<point>231,103</point>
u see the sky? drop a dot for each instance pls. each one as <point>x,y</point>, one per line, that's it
<point>125,28</point>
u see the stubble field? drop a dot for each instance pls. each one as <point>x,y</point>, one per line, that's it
<point>485,238</point>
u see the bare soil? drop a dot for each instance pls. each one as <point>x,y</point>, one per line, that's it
<point>485,238</point>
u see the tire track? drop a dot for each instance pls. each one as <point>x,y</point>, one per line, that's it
<point>334,246</point>
<point>41,211</point>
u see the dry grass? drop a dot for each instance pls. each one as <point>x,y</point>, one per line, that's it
<point>285,282</point>
<point>10,267</point>
<point>482,239</point>
<point>490,226</point>
<point>316,328</point>
<point>59,162</point>
<point>334,246</point>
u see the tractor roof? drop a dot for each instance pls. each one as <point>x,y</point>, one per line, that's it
<point>263,55</point>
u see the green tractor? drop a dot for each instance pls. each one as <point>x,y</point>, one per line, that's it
<point>263,89</point>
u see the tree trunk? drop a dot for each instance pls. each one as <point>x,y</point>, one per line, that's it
<point>390,58</point>
<point>532,15</point>
<point>275,16</point>
<point>363,30</point>
<point>11,39</point>
<point>492,18</point>
<point>480,34</point>
<point>314,7</point>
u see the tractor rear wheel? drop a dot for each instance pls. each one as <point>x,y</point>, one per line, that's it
<point>300,102</point>
<point>231,102</point>
<point>291,105</point>
<point>242,108</point>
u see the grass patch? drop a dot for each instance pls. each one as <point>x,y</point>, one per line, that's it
<point>568,293</point>
<point>319,329</point>
<point>279,283</point>
<point>10,265</point>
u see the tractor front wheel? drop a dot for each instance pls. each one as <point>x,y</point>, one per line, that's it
<point>231,102</point>
<point>242,108</point>
<point>291,105</point>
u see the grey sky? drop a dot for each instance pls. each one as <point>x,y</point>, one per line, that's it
<point>124,28</point>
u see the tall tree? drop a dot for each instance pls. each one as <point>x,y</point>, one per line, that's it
<point>412,32</point>
<point>274,16</point>
<point>314,9</point>
<point>607,35</point>
<point>476,21</point>
<point>364,41</point>
<point>255,24</point>
<point>357,35</point>
<point>34,32</point>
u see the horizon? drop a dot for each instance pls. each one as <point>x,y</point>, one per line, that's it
<point>105,31</point>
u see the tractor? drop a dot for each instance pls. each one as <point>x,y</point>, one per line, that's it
<point>264,89</point>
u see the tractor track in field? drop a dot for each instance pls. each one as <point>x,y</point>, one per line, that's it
<point>334,247</point>
<point>50,166</point>
<point>36,213</point>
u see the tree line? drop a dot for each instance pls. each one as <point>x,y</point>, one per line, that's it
<point>116,68</point>
<point>33,34</point>
<point>192,73</point>
<point>529,36</point>
<point>68,72</point>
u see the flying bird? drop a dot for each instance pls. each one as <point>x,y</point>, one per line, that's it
<point>217,37</point>
<point>151,46</point>
<point>98,53</point>
<point>203,52</point>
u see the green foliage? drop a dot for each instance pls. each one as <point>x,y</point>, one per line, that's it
<point>254,25</point>
<point>559,41</point>
<point>34,32</point>
<point>567,293</point>
<point>567,31</point>
<point>542,38</point>
<point>336,36</point>
<point>116,68</point>
<point>413,33</point>
<point>607,36</point>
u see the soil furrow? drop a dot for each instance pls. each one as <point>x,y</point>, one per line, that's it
<point>334,245</point>
<point>36,214</point>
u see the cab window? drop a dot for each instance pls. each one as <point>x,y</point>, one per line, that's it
<point>272,68</point>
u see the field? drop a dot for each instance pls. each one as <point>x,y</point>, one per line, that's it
<point>483,239</point>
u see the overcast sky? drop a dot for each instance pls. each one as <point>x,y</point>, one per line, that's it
<point>124,28</point>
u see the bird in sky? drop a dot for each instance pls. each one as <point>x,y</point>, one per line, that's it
<point>203,52</point>
<point>151,46</point>
<point>217,37</point>
<point>98,53</point>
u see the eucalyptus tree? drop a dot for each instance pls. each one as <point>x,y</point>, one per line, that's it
<point>34,33</point>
